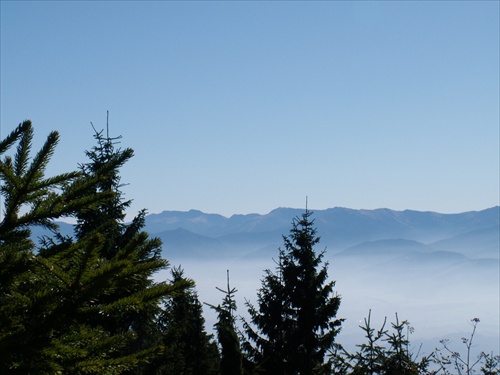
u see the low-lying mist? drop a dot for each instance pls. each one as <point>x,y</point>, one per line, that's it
<point>437,295</point>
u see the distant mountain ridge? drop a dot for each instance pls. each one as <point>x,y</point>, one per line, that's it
<point>475,234</point>
<point>194,234</point>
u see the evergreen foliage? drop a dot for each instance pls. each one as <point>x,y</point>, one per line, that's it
<point>74,305</point>
<point>231,361</point>
<point>124,242</point>
<point>399,359</point>
<point>188,349</point>
<point>32,308</point>
<point>295,321</point>
<point>370,357</point>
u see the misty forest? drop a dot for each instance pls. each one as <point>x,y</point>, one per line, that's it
<point>102,296</point>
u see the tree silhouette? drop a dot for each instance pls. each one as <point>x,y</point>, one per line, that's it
<point>231,357</point>
<point>294,324</point>
<point>188,349</point>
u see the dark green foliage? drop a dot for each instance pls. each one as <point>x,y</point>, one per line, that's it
<point>108,216</point>
<point>139,296</point>
<point>188,349</point>
<point>123,242</point>
<point>268,354</point>
<point>76,305</point>
<point>29,197</point>
<point>30,305</point>
<point>231,357</point>
<point>295,322</point>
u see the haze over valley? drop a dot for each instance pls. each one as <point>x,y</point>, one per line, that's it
<point>436,270</point>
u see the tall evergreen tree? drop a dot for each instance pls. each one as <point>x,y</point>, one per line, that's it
<point>189,350</point>
<point>123,240</point>
<point>295,321</point>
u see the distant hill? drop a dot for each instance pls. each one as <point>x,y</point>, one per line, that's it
<point>388,247</point>
<point>478,243</point>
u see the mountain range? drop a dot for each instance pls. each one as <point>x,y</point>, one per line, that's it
<point>343,231</point>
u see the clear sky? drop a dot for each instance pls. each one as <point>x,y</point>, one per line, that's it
<point>240,107</point>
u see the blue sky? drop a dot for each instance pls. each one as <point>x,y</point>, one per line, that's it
<point>240,107</point>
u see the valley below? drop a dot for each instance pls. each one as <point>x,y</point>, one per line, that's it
<point>438,271</point>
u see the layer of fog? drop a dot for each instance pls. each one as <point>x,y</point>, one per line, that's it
<point>438,301</point>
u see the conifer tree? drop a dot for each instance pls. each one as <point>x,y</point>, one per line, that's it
<point>124,241</point>
<point>231,357</point>
<point>295,323</point>
<point>398,360</point>
<point>109,215</point>
<point>188,349</point>
<point>370,357</point>
<point>264,344</point>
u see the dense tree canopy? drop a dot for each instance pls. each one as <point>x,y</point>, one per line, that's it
<point>73,303</point>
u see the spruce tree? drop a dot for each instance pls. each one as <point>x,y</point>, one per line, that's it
<point>231,362</point>
<point>264,344</point>
<point>398,360</point>
<point>295,324</point>
<point>369,359</point>
<point>188,349</point>
<point>124,241</point>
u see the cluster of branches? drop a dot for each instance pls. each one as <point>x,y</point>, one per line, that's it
<point>389,352</point>
<point>85,303</point>
<point>88,303</point>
